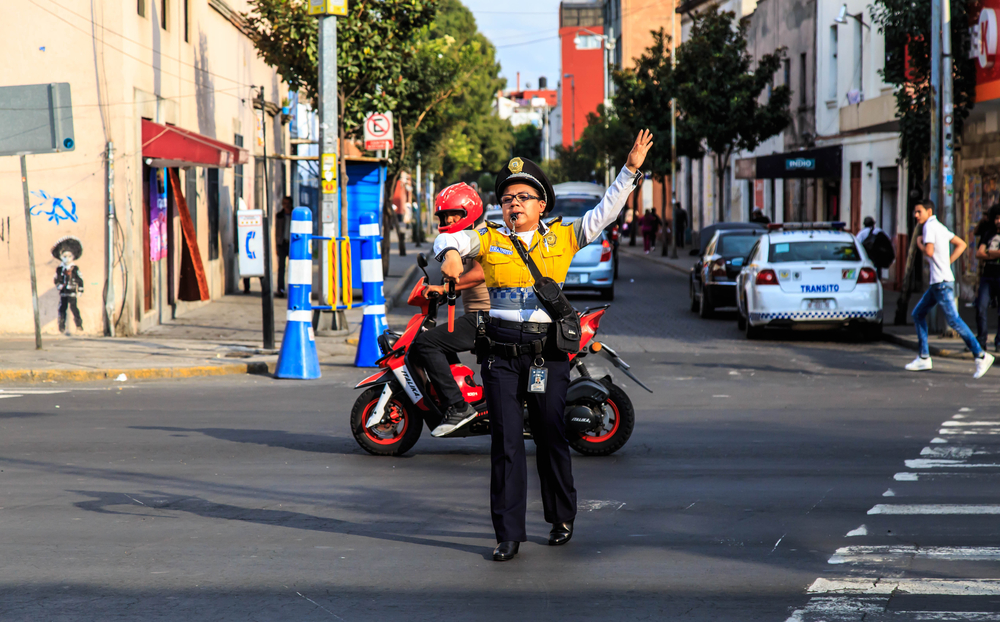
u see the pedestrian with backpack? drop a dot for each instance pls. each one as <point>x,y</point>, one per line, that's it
<point>877,244</point>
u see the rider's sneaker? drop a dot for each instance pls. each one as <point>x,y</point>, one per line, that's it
<point>454,418</point>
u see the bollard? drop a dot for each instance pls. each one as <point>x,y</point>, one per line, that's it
<point>373,324</point>
<point>298,357</point>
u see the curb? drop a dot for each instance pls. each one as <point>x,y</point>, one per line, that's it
<point>80,375</point>
<point>662,263</point>
<point>910,344</point>
<point>402,285</point>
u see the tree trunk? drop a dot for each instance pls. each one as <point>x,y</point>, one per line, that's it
<point>720,172</point>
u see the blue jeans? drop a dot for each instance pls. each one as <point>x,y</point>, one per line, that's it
<point>989,287</point>
<point>943,295</point>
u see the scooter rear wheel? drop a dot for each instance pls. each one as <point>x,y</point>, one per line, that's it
<point>608,440</point>
<point>394,437</point>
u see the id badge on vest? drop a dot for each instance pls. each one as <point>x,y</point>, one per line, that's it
<point>538,377</point>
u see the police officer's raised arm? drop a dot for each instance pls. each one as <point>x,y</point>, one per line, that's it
<point>594,221</point>
<point>464,243</point>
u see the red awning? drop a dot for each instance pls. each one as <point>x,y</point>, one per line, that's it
<point>169,146</point>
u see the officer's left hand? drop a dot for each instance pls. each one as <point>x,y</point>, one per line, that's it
<point>639,150</point>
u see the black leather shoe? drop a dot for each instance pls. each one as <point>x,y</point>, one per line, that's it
<point>561,533</point>
<point>505,551</point>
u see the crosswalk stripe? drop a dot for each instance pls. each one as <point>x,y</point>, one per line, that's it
<point>925,463</point>
<point>989,424</point>
<point>9,395</point>
<point>873,609</point>
<point>935,587</point>
<point>932,508</point>
<point>864,555</point>
<point>942,475</point>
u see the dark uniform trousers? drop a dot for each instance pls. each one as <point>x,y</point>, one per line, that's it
<point>506,383</point>
<point>436,349</point>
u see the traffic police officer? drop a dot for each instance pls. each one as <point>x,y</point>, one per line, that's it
<point>519,344</point>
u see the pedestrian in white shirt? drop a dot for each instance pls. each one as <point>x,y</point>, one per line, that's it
<point>936,243</point>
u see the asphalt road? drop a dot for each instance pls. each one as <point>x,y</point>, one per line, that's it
<point>246,498</point>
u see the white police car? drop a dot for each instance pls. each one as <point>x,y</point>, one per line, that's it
<point>808,275</point>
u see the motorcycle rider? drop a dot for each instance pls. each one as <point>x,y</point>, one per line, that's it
<point>458,208</point>
<point>520,363</point>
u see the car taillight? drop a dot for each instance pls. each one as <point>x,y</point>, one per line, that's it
<point>719,267</point>
<point>867,275</point>
<point>767,277</point>
<point>605,251</point>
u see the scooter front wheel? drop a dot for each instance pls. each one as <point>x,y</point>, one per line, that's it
<point>620,419</point>
<point>395,435</point>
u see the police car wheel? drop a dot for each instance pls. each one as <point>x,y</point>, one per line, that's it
<point>694,299</point>
<point>741,322</point>
<point>395,436</point>
<point>612,437</point>
<point>753,332</point>
<point>705,309</point>
<point>871,332</point>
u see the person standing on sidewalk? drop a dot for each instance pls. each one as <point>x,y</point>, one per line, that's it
<point>988,252</point>
<point>936,243</point>
<point>649,223</point>
<point>283,237</point>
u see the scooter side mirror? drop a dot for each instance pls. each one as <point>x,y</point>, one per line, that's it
<point>421,260</point>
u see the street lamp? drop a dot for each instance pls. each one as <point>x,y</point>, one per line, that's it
<point>573,99</point>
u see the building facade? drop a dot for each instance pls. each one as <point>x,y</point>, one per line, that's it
<point>167,136</point>
<point>582,63</point>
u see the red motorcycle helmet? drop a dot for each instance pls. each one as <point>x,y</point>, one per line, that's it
<point>461,198</point>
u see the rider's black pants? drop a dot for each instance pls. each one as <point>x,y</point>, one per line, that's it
<point>506,384</point>
<point>435,349</point>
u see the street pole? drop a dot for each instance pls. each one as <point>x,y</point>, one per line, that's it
<point>328,135</point>
<point>935,155</point>
<point>109,290</point>
<point>947,143</point>
<point>31,253</point>
<point>419,232</point>
<point>673,148</point>
<point>267,292</point>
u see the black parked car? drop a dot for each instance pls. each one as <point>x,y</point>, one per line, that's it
<point>713,277</point>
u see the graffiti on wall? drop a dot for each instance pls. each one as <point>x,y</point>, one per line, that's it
<point>57,209</point>
<point>68,280</point>
<point>157,214</point>
<point>5,233</point>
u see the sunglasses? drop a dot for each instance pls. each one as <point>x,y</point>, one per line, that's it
<point>522,198</point>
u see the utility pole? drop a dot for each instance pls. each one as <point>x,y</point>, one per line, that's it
<point>935,155</point>
<point>672,242</point>
<point>947,143</point>
<point>109,290</point>
<point>267,292</point>
<point>328,135</point>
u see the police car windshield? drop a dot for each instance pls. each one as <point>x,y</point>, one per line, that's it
<point>840,250</point>
<point>573,207</point>
<point>736,245</point>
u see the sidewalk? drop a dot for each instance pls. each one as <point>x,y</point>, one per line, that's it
<point>219,338</point>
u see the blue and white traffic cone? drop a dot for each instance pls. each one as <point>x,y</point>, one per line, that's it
<point>298,358</point>
<point>374,323</point>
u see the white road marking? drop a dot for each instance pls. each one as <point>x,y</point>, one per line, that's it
<point>858,608</point>
<point>889,493</point>
<point>921,463</point>
<point>9,395</point>
<point>21,392</point>
<point>938,587</point>
<point>965,409</point>
<point>972,432</point>
<point>905,477</point>
<point>931,508</point>
<point>860,531</point>
<point>989,424</point>
<point>951,451</point>
<point>863,555</point>
<point>934,475</point>
<point>938,440</point>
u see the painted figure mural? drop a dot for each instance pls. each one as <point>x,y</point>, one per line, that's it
<point>68,280</point>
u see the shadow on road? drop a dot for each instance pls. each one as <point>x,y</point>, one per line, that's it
<point>102,502</point>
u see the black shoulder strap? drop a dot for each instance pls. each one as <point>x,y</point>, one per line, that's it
<point>526,258</point>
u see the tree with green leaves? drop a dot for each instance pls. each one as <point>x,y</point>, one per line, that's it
<point>719,86</point>
<point>527,142</point>
<point>906,26</point>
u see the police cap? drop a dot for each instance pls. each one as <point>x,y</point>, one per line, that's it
<point>523,170</point>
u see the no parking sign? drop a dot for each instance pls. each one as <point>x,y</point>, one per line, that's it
<point>378,131</point>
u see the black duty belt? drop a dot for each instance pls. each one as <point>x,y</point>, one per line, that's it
<point>539,328</point>
<point>510,350</point>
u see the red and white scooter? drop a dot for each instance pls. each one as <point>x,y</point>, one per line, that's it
<point>388,416</point>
